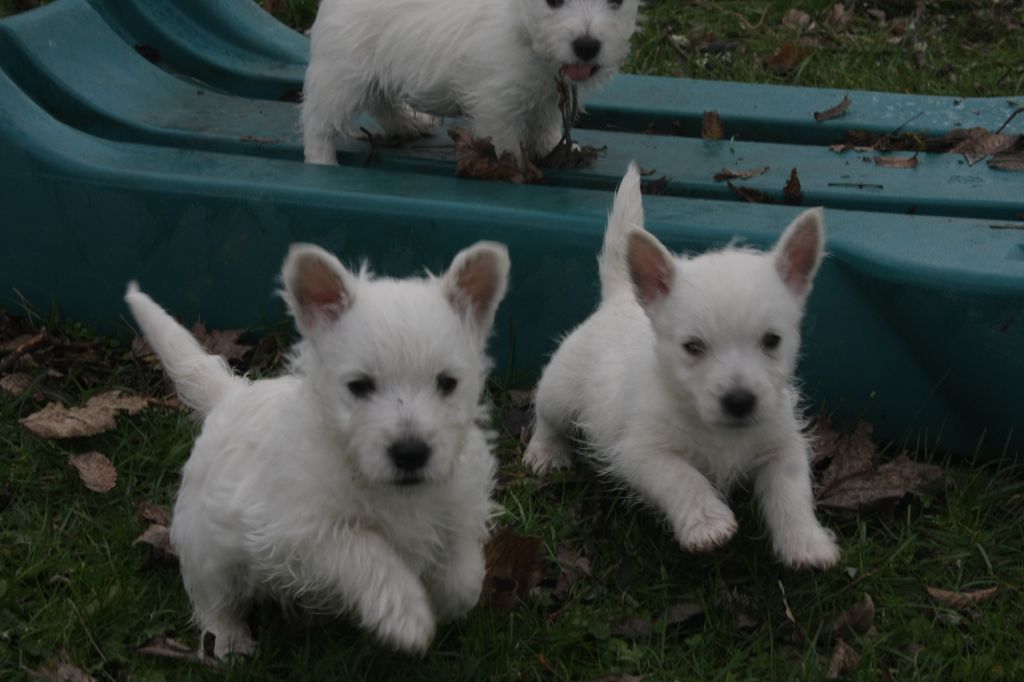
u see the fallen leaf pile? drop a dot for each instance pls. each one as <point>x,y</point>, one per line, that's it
<point>975,144</point>
<point>477,159</point>
<point>852,480</point>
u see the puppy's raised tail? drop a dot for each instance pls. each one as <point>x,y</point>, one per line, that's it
<point>627,214</point>
<point>202,380</point>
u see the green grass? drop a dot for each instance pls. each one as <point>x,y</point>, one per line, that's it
<point>72,585</point>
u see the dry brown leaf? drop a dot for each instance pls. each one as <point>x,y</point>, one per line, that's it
<point>165,647</point>
<point>16,384</point>
<point>980,143</point>
<point>795,18</point>
<point>96,471</point>
<point>961,600</point>
<point>877,14</point>
<point>573,565</point>
<point>750,195</point>
<point>844,660</point>
<point>856,620</point>
<point>222,343</point>
<point>57,671</point>
<point>1007,162</point>
<point>514,566</point>
<point>896,161</point>
<point>144,352</point>
<point>787,56</point>
<point>655,188</point>
<point>837,14</point>
<point>855,483</point>
<point>792,194</point>
<point>711,127</point>
<point>834,112</point>
<point>478,159</point>
<point>17,342</point>
<point>147,511</point>
<point>96,416</point>
<point>161,549</point>
<point>730,174</point>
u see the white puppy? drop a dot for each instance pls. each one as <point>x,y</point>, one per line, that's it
<point>682,382</point>
<point>359,482</point>
<point>495,61</point>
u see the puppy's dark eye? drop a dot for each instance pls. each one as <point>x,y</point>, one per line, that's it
<point>770,341</point>
<point>446,384</point>
<point>362,387</point>
<point>695,347</point>
<point>555,4</point>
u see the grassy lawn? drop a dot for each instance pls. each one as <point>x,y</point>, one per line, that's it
<point>73,587</point>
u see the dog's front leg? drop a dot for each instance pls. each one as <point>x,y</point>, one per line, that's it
<point>378,586</point>
<point>700,519</point>
<point>783,487</point>
<point>455,584</point>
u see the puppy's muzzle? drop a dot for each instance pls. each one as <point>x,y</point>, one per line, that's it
<point>409,455</point>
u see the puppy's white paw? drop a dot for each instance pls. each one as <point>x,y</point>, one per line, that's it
<point>226,642</point>
<point>815,547</point>
<point>410,627</point>
<point>708,527</point>
<point>543,455</point>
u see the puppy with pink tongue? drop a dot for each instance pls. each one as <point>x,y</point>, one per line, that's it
<point>494,61</point>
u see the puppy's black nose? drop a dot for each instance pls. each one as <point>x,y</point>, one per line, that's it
<point>409,454</point>
<point>739,403</point>
<point>586,47</point>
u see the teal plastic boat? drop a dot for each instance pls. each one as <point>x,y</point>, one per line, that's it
<point>155,139</point>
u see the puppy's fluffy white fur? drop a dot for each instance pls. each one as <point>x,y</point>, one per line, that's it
<point>293,490</point>
<point>682,382</point>
<point>496,61</point>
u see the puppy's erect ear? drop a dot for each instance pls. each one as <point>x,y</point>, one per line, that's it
<point>317,288</point>
<point>475,283</point>
<point>650,267</point>
<point>800,250</point>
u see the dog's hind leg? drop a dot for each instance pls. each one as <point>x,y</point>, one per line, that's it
<point>328,106</point>
<point>550,446</point>
<point>400,120</point>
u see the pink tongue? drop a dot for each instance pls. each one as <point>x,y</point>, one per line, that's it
<point>579,72</point>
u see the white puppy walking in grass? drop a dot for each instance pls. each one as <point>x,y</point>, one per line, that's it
<point>495,61</point>
<point>360,481</point>
<point>682,382</point>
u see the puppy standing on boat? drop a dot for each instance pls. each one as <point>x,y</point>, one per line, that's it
<point>495,61</point>
<point>682,382</point>
<point>360,481</point>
